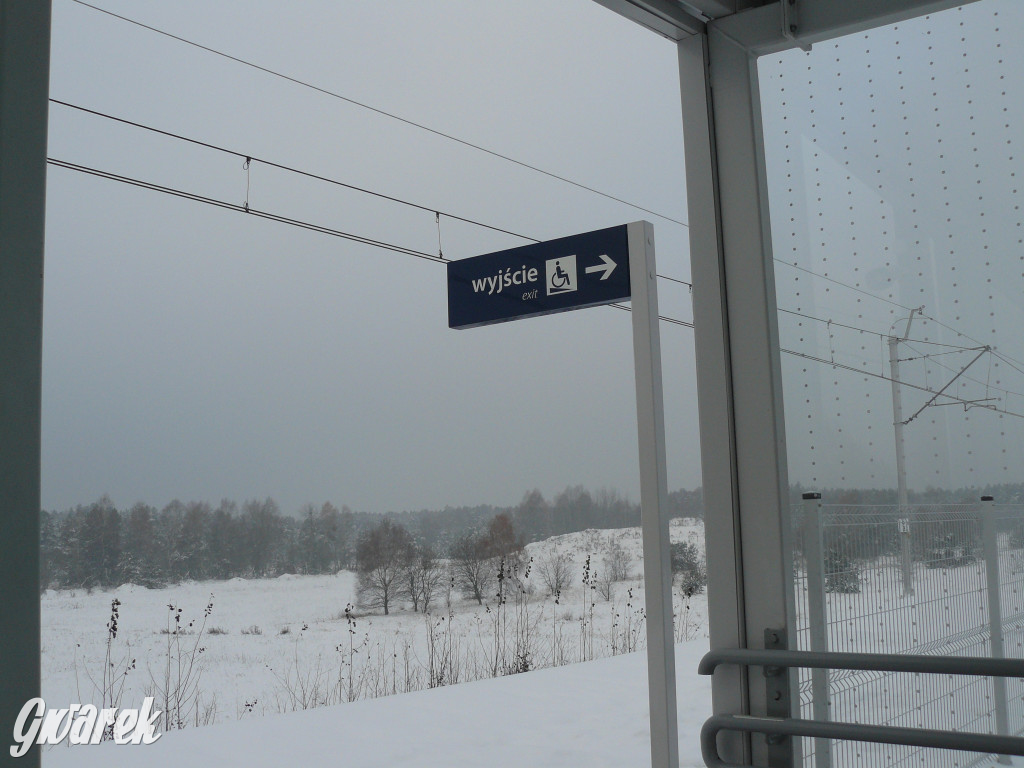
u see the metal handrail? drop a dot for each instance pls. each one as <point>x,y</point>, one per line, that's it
<point>882,662</point>
<point>878,734</point>
<point>775,661</point>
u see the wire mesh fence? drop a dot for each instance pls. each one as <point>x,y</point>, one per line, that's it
<point>877,580</point>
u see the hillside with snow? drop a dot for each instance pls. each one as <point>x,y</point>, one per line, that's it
<point>234,659</point>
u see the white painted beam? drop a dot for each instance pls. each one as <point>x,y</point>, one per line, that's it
<point>664,17</point>
<point>759,30</point>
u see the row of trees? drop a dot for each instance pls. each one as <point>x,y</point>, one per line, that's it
<point>97,545</point>
<point>535,518</point>
<point>100,545</point>
<point>393,568</point>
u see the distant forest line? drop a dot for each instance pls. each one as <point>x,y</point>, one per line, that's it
<point>100,545</point>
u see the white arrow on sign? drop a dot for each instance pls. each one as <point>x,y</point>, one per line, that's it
<point>608,266</point>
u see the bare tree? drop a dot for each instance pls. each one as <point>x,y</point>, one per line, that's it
<point>425,579</point>
<point>604,584</point>
<point>383,559</point>
<point>472,566</point>
<point>554,572</point>
<point>501,539</point>
<point>616,563</point>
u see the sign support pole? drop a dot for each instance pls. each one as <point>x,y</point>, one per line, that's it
<point>574,273</point>
<point>650,411</point>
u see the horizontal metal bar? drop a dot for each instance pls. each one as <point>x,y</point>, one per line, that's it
<point>882,662</point>
<point>759,30</point>
<point>877,734</point>
<point>664,17</point>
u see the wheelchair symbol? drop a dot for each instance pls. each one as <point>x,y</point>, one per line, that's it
<point>561,275</point>
<point>560,279</point>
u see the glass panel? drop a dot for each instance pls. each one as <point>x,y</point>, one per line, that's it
<point>894,163</point>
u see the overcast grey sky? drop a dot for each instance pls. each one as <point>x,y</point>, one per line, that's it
<point>199,353</point>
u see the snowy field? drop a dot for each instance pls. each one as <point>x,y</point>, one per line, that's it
<point>270,648</point>
<point>592,714</point>
<point>274,646</point>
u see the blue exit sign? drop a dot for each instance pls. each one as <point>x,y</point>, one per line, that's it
<point>554,276</point>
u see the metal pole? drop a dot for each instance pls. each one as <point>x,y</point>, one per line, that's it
<point>24,88</point>
<point>814,554</point>
<point>727,624</point>
<point>650,412</point>
<point>739,375</point>
<point>903,516</point>
<point>995,614</point>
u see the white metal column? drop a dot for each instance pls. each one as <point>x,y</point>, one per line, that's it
<point>653,498</point>
<point>24,87</point>
<point>650,412</point>
<point>817,619</point>
<point>993,592</point>
<point>746,497</point>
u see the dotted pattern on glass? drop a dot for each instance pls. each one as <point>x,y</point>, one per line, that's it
<point>894,164</point>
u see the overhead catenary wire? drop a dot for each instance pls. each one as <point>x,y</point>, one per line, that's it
<point>438,259</point>
<point>250,211</point>
<point>676,280</point>
<point>382,112</point>
<point>952,348</point>
<point>777,260</point>
<point>432,209</point>
<point>955,347</point>
<point>942,392</point>
<point>441,259</point>
<point>1008,360</point>
<point>246,209</point>
<point>663,318</point>
<point>986,384</point>
<point>864,372</point>
<point>249,158</point>
<point>970,338</point>
<point>932,355</point>
<point>290,169</point>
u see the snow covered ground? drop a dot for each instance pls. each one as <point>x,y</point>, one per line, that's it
<point>592,714</point>
<point>273,646</point>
